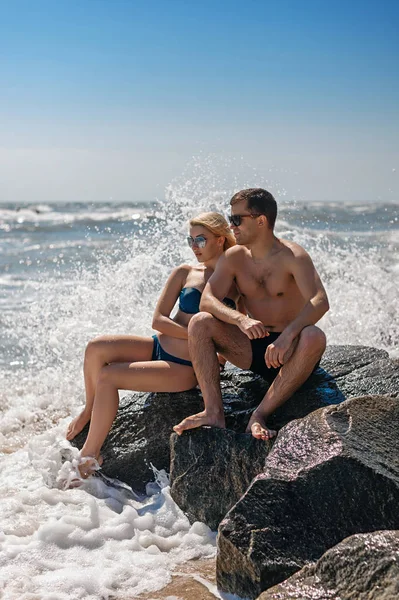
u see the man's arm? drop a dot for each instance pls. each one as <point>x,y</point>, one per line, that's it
<point>216,289</point>
<point>312,289</point>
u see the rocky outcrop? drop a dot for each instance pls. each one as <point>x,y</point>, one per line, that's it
<point>362,567</point>
<point>329,475</point>
<point>140,435</point>
<point>210,470</point>
<point>141,431</point>
<point>345,372</point>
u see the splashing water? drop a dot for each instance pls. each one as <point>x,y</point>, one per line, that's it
<point>72,272</point>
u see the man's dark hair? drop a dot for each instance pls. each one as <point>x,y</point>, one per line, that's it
<point>259,201</point>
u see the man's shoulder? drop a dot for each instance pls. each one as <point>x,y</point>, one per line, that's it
<point>235,252</point>
<point>292,250</point>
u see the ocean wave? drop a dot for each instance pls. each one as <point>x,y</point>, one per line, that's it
<point>54,216</point>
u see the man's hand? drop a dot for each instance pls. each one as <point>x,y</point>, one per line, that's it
<point>252,328</point>
<point>280,351</point>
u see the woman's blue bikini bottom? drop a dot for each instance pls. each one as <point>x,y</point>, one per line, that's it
<point>158,353</point>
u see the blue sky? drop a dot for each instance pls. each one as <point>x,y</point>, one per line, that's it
<point>112,98</point>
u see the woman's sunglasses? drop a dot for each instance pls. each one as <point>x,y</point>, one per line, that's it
<point>236,219</point>
<point>199,241</point>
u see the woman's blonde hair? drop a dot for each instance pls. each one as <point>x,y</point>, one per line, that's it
<point>216,224</point>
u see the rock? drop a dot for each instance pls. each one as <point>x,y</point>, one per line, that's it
<point>140,435</point>
<point>344,372</point>
<point>330,475</point>
<point>200,484</point>
<point>142,428</point>
<point>144,423</point>
<point>362,567</point>
<point>210,470</point>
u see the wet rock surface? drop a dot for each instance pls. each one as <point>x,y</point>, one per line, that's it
<point>362,567</point>
<point>211,469</point>
<point>330,475</point>
<point>142,428</point>
<point>140,435</point>
<point>344,372</point>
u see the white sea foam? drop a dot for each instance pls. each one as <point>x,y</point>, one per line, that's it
<point>91,542</point>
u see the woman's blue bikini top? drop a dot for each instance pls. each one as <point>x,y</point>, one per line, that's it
<point>189,300</point>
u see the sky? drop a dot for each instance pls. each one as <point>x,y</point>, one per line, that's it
<point>112,99</point>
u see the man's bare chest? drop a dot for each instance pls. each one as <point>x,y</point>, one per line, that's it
<point>259,282</point>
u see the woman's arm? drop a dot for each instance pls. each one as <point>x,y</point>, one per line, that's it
<point>161,320</point>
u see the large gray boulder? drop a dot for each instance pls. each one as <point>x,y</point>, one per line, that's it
<point>345,372</point>
<point>329,475</point>
<point>142,428</point>
<point>362,567</point>
<point>210,470</point>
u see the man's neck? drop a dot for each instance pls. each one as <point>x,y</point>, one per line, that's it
<point>263,248</point>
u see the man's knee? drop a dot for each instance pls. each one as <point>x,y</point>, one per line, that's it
<point>313,339</point>
<point>202,323</point>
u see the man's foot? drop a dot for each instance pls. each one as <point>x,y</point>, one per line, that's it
<point>257,426</point>
<point>202,418</point>
<point>76,425</point>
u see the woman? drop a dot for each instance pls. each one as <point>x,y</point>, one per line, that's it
<point>157,364</point>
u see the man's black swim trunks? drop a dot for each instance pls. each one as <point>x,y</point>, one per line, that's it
<point>258,364</point>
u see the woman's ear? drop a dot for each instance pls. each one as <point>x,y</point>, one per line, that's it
<point>221,241</point>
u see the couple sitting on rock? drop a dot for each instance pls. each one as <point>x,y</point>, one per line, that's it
<point>280,297</point>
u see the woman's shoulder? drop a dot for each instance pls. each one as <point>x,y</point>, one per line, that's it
<point>183,271</point>
<point>184,268</point>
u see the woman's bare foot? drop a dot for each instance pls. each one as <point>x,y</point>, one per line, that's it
<point>77,424</point>
<point>73,473</point>
<point>202,418</point>
<point>89,465</point>
<point>257,426</point>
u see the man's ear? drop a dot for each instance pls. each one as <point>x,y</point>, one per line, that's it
<point>263,221</point>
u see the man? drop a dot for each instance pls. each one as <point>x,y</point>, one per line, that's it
<point>277,338</point>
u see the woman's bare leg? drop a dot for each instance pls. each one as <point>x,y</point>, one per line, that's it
<point>156,376</point>
<point>102,351</point>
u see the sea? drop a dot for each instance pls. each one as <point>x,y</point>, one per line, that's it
<point>72,271</point>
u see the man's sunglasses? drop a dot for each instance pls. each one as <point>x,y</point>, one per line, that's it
<point>236,219</point>
<point>199,241</point>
